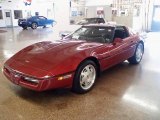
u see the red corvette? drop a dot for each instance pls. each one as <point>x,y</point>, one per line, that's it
<point>76,60</point>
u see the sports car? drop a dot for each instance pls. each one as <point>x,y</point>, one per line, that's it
<point>74,61</point>
<point>35,21</point>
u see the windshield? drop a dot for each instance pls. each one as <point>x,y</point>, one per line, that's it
<point>94,34</point>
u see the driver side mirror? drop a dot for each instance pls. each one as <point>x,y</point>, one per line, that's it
<point>63,35</point>
<point>117,40</point>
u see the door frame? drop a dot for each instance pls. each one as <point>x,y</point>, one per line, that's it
<point>8,10</point>
<point>154,23</point>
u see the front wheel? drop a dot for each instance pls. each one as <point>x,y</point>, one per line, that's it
<point>137,57</point>
<point>34,26</point>
<point>24,27</point>
<point>44,26</point>
<point>85,77</point>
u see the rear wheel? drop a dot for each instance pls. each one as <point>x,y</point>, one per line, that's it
<point>44,26</point>
<point>85,77</point>
<point>137,57</point>
<point>34,26</point>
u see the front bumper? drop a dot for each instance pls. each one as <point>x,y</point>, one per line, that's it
<point>39,84</point>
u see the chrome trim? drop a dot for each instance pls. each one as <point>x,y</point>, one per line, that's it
<point>31,80</point>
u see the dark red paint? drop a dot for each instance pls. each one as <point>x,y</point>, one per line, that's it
<point>47,61</point>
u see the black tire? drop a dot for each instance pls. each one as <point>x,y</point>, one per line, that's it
<point>134,59</point>
<point>77,86</point>
<point>44,26</point>
<point>34,25</point>
<point>24,27</point>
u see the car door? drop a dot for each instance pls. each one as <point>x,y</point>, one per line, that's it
<point>120,51</point>
<point>110,54</point>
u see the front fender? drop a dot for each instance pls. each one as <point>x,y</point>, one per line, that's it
<point>71,63</point>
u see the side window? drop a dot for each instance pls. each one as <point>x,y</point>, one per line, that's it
<point>125,32</point>
<point>42,18</point>
<point>121,32</point>
<point>1,14</point>
<point>18,14</point>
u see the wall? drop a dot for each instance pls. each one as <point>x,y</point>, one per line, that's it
<point>15,5</point>
<point>98,2</point>
<point>92,12</point>
<point>124,20</point>
<point>146,14</point>
<point>2,22</point>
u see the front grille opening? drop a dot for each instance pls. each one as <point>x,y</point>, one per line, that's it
<point>29,81</point>
<point>6,70</point>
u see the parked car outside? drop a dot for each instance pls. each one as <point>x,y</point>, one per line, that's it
<point>75,61</point>
<point>35,21</point>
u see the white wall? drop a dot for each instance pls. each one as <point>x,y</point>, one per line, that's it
<point>14,5</point>
<point>156,2</point>
<point>92,5</point>
<point>92,12</point>
<point>2,22</point>
<point>98,2</point>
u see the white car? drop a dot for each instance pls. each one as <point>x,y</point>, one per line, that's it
<point>84,21</point>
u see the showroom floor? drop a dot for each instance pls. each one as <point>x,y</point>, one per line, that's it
<point>124,92</point>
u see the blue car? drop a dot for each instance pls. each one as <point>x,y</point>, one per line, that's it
<point>35,21</point>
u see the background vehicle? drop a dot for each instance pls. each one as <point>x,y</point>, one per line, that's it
<point>75,61</point>
<point>84,21</point>
<point>87,21</point>
<point>35,21</point>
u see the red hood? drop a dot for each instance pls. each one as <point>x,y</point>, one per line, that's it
<point>46,56</point>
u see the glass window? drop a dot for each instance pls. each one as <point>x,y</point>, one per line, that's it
<point>8,14</point>
<point>17,14</point>
<point>94,34</point>
<point>1,15</point>
<point>43,18</point>
<point>121,32</point>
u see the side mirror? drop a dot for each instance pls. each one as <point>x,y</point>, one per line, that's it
<point>63,35</point>
<point>117,40</point>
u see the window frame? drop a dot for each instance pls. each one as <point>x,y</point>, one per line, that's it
<point>1,15</point>
<point>19,16</point>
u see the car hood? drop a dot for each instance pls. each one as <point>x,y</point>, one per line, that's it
<point>45,56</point>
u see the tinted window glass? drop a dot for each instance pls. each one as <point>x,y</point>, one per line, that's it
<point>8,14</point>
<point>121,32</point>
<point>17,14</point>
<point>41,17</point>
<point>1,15</point>
<point>94,34</point>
